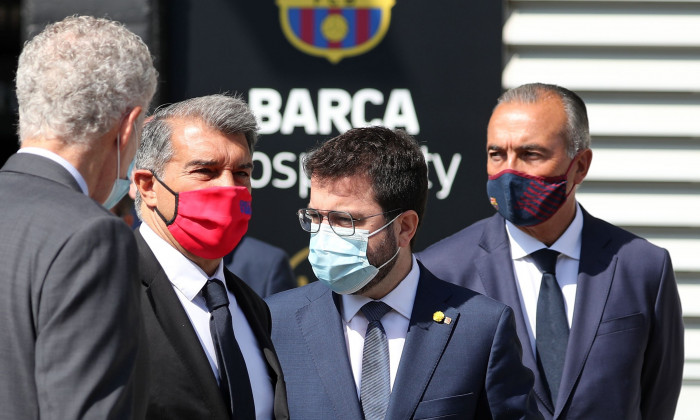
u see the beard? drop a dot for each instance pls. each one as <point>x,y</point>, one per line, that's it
<point>385,251</point>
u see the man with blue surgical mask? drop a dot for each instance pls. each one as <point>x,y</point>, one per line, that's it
<point>70,338</point>
<point>378,336</point>
<point>597,308</point>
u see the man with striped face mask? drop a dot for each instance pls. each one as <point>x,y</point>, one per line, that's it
<point>597,307</point>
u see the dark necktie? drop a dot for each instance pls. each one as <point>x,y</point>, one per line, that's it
<point>552,326</point>
<point>235,383</point>
<point>375,385</point>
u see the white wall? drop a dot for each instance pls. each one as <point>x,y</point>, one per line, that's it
<point>637,66</point>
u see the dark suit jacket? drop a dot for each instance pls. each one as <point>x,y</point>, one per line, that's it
<point>264,267</point>
<point>625,354</point>
<point>69,299</point>
<point>183,385</point>
<point>469,368</point>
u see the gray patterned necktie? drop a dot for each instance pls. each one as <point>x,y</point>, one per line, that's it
<point>552,325</point>
<point>375,385</point>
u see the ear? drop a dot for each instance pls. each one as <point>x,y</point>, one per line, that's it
<point>408,224</point>
<point>143,179</point>
<point>582,165</point>
<point>127,127</point>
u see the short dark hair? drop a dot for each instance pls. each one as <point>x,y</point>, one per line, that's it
<point>391,159</point>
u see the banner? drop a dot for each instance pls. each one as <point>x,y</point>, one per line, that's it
<point>312,69</point>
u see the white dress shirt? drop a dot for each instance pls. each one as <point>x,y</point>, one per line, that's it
<point>528,277</point>
<point>58,159</point>
<point>188,279</point>
<point>395,323</point>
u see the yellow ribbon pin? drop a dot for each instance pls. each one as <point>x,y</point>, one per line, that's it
<point>440,318</point>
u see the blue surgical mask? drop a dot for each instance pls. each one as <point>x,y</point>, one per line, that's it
<point>121,185</point>
<point>340,262</point>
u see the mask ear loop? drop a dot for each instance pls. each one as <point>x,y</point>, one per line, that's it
<point>177,199</point>
<point>119,162</point>
<point>566,174</point>
<point>383,227</point>
<point>398,248</point>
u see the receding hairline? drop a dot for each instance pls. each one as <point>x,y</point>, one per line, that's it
<point>548,97</point>
<point>540,95</point>
<point>543,100</point>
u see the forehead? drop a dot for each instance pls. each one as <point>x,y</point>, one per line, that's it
<point>518,122</point>
<point>193,139</point>
<point>349,193</point>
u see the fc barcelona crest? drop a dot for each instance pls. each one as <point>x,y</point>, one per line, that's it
<point>335,29</point>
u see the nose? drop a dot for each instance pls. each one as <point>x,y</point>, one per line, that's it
<point>226,179</point>
<point>324,219</point>
<point>512,161</point>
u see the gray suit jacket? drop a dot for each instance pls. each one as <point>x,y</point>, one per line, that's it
<point>625,354</point>
<point>69,302</point>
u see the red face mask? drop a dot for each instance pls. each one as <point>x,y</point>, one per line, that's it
<point>209,222</point>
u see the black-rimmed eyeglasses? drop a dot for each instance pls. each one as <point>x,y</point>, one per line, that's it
<point>311,219</point>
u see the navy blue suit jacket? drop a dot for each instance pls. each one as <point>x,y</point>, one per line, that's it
<point>469,368</point>
<point>625,354</point>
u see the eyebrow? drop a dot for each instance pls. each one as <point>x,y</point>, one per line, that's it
<point>527,147</point>
<point>247,165</point>
<point>201,163</point>
<point>493,147</point>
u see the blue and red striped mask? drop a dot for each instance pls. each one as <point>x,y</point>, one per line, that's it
<point>527,200</point>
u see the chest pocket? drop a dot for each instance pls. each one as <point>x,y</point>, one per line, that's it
<point>446,408</point>
<point>624,323</point>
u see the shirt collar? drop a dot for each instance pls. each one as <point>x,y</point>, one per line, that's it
<point>400,299</point>
<point>61,161</point>
<point>569,243</point>
<point>183,273</point>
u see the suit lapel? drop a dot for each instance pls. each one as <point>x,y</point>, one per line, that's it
<point>323,330</point>
<point>496,272</point>
<point>262,335</point>
<point>596,269</point>
<point>425,343</point>
<point>177,326</point>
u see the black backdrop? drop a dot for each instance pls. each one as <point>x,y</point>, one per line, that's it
<point>436,72</point>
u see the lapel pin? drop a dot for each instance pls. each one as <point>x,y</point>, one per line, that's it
<point>440,318</point>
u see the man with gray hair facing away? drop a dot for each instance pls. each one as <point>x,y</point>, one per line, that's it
<point>209,346</point>
<point>69,303</point>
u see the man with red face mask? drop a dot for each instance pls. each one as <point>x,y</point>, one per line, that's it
<point>208,333</point>
<point>597,308</point>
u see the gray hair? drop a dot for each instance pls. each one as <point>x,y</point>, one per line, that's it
<point>222,112</point>
<point>78,77</point>
<point>578,136</point>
